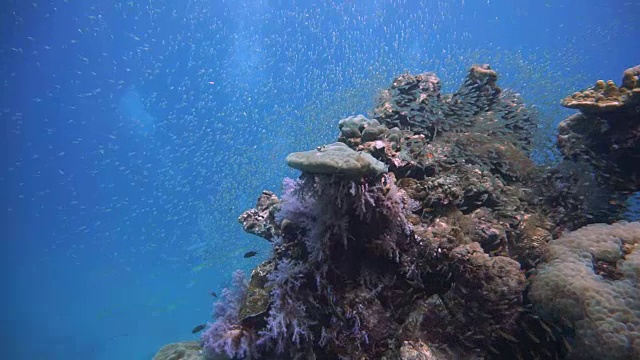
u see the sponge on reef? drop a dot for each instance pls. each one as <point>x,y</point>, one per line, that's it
<point>589,281</point>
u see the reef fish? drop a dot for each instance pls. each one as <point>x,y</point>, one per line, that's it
<point>198,328</point>
<point>250,254</point>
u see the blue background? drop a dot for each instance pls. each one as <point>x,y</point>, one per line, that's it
<point>121,212</point>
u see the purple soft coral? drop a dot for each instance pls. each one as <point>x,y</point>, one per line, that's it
<point>225,335</point>
<point>287,321</point>
<point>325,206</point>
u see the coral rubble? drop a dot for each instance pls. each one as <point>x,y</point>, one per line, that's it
<point>416,236</point>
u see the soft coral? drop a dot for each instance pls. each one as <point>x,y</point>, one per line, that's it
<point>325,207</point>
<point>288,322</point>
<point>225,335</point>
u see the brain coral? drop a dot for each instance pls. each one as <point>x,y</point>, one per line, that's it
<point>589,282</point>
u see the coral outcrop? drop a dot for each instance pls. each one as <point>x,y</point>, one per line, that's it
<point>412,235</point>
<point>416,237</point>
<point>606,97</point>
<point>415,103</point>
<point>606,132</point>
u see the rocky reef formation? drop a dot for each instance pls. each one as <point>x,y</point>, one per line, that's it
<point>427,233</point>
<point>479,106</point>
<point>606,132</point>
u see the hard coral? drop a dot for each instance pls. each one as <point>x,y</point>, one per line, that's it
<point>479,106</point>
<point>606,97</point>
<point>630,77</point>
<point>336,159</point>
<point>606,133</point>
<point>412,103</point>
<point>185,350</point>
<point>589,282</point>
<point>481,308</point>
<point>355,128</point>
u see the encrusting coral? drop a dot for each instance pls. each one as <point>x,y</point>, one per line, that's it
<point>416,237</point>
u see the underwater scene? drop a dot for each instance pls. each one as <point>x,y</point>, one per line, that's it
<point>318,179</point>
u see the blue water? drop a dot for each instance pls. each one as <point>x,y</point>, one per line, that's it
<point>133,111</point>
<point>137,131</point>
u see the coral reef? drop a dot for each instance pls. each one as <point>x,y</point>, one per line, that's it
<point>606,97</point>
<point>336,159</point>
<point>261,220</point>
<point>426,233</point>
<point>589,283</point>
<point>630,78</point>
<point>227,335</point>
<point>415,103</point>
<point>356,128</point>
<point>606,132</point>
<point>185,350</point>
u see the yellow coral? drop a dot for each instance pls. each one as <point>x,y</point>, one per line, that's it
<point>606,96</point>
<point>630,77</point>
